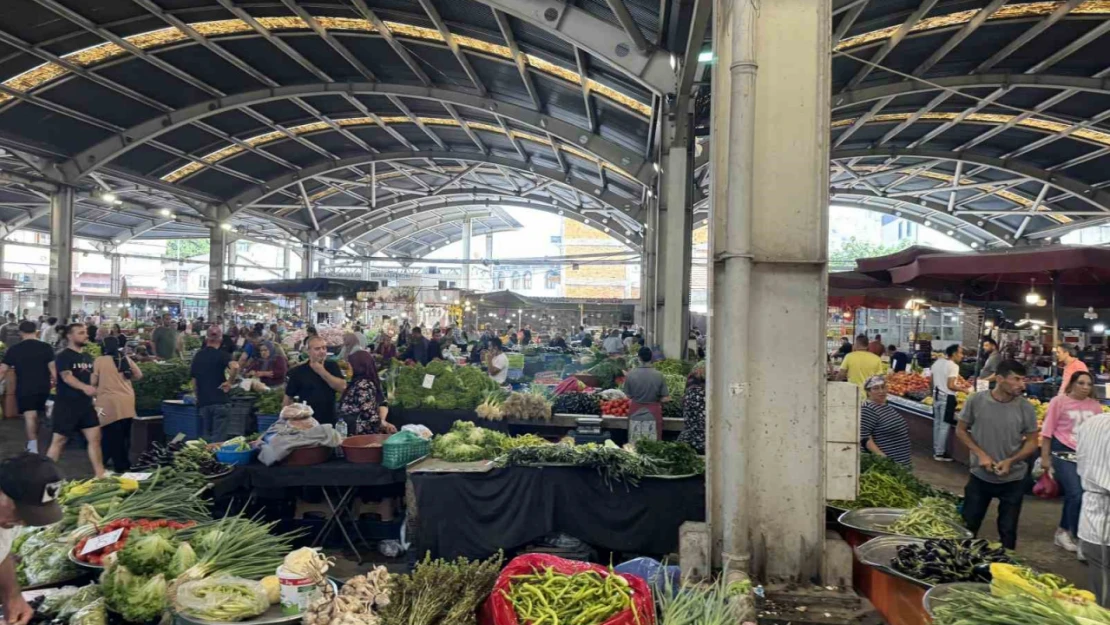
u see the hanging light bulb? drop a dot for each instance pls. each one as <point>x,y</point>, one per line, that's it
<point>1032,297</point>
<point>1099,328</point>
<point>1036,326</point>
<point>1090,314</point>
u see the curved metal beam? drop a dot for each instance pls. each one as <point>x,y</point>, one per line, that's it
<point>1095,197</point>
<point>115,146</point>
<point>651,68</point>
<point>384,218</point>
<point>990,231</point>
<point>907,87</point>
<point>408,231</point>
<point>273,185</point>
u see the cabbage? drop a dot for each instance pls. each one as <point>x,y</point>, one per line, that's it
<point>182,560</point>
<point>149,554</point>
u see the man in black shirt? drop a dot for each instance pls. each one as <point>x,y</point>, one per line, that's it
<point>211,384</point>
<point>33,362</point>
<point>419,349</point>
<point>9,332</point>
<point>73,407</point>
<point>316,382</point>
<point>898,360</point>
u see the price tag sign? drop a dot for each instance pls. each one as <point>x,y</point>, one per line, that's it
<point>982,385</point>
<point>429,379</point>
<point>138,477</point>
<point>102,541</point>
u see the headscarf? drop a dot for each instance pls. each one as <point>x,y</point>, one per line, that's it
<point>364,368</point>
<point>111,348</point>
<point>697,375</point>
<point>266,364</point>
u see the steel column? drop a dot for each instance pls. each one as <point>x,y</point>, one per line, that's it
<point>286,264</point>
<point>677,226</point>
<point>115,281</point>
<point>217,249</point>
<point>308,269</point>
<point>61,253</point>
<point>769,231</point>
<point>467,234</point>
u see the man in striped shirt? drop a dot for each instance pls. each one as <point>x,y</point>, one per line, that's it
<point>1093,458</point>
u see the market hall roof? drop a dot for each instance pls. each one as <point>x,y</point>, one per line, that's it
<point>299,107</point>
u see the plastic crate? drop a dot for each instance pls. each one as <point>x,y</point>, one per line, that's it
<point>179,418</point>
<point>264,422</point>
<point>241,408</point>
<point>402,448</point>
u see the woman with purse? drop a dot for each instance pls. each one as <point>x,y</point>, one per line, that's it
<point>1066,413</point>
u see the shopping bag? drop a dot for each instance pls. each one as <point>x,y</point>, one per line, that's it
<point>497,610</point>
<point>1046,487</point>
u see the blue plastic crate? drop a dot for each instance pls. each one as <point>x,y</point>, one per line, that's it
<point>178,418</point>
<point>265,421</point>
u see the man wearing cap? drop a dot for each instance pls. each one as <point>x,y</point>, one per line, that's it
<point>29,487</point>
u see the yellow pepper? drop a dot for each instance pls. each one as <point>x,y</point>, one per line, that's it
<point>128,485</point>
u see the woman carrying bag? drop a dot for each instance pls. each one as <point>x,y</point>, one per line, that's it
<point>1066,413</point>
<point>115,402</point>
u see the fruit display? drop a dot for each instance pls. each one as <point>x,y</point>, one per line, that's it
<point>1042,409</point>
<point>616,407</point>
<point>909,385</point>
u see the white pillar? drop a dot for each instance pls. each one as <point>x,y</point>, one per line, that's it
<point>60,286</point>
<point>308,260</point>
<point>287,264</point>
<point>217,250</point>
<point>467,234</point>
<point>770,125</point>
<point>675,238</point>
<point>115,284</point>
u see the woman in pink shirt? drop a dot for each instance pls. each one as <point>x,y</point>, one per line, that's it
<point>1066,413</point>
<point>1067,356</point>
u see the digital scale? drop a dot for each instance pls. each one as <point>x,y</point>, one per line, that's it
<point>588,430</point>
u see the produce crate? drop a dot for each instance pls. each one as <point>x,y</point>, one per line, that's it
<point>242,408</point>
<point>264,421</point>
<point>181,418</point>
<point>397,452</point>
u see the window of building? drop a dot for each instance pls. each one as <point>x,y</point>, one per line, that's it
<point>527,279</point>
<point>499,281</point>
<point>516,280</point>
<point>202,281</point>
<point>551,280</point>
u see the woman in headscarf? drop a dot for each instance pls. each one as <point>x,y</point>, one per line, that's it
<point>386,350</point>
<point>115,402</point>
<point>363,403</point>
<point>269,365</point>
<point>693,410</point>
<point>350,345</point>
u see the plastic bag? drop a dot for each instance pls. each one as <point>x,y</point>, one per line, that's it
<point>1046,487</point>
<point>84,596</point>
<point>49,564</point>
<point>222,599</point>
<point>418,430</point>
<point>611,394</point>
<point>497,610</point>
<point>90,614</point>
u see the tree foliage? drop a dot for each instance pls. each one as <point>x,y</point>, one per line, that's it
<point>186,248</point>
<point>852,248</point>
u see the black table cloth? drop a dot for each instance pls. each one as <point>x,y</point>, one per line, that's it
<point>475,514</point>
<point>337,472</point>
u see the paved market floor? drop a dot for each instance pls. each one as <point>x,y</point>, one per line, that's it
<point>1038,518</point>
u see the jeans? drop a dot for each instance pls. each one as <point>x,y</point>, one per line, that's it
<point>1067,476</point>
<point>977,498</point>
<point>1098,579</point>
<point>116,443</point>
<point>940,428</point>
<point>220,424</point>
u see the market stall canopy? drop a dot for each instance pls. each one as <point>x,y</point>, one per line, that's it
<point>879,267</point>
<point>1078,275</point>
<point>323,287</point>
<point>852,289</point>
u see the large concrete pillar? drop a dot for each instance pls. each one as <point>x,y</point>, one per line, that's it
<point>770,125</point>
<point>467,234</point>
<point>649,297</point>
<point>675,240</point>
<point>60,286</point>
<point>217,253</point>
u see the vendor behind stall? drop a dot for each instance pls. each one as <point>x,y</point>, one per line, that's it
<point>268,365</point>
<point>316,382</point>
<point>648,390</point>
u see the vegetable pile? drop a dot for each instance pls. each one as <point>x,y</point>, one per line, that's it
<point>1020,596</point>
<point>612,463</point>
<point>42,557</point>
<point>616,407</point>
<point>585,598</point>
<point>186,456</point>
<point>161,381</point>
<point>884,483</point>
<point>931,518</point>
<point>490,408</point>
<point>461,388</point>
<point>358,602</point>
<point>672,458</point>
<point>944,561</point>
<point>577,403</point>
<point>438,592</point>
<point>149,539</point>
<point>466,442</point>
<point>609,372</point>
<point>530,406</point>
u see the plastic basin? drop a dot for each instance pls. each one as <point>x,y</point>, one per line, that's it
<point>364,448</point>
<point>306,456</point>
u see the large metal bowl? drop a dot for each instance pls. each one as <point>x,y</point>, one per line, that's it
<point>879,552</point>
<point>936,595</point>
<point>874,521</point>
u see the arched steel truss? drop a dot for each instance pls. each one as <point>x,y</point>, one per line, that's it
<point>607,201</point>
<point>141,134</point>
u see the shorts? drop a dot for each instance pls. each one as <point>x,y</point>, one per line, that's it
<point>33,402</point>
<point>70,418</point>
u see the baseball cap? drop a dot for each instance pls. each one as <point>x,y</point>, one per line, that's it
<point>873,381</point>
<point>214,333</point>
<point>33,483</point>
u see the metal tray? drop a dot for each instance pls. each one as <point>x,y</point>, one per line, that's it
<point>873,521</point>
<point>216,476</point>
<point>273,616</point>
<point>81,564</point>
<point>878,552</point>
<point>935,595</point>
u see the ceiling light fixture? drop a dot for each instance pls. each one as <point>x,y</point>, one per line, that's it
<point>1032,297</point>
<point>1099,328</point>
<point>108,196</point>
<point>1090,314</point>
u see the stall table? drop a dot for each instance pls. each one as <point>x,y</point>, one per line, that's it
<point>474,514</point>
<point>440,422</point>
<point>339,475</point>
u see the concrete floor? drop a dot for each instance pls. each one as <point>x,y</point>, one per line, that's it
<point>1039,518</point>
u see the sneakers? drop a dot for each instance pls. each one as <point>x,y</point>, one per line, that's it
<point>33,447</point>
<point>942,457</point>
<point>1065,542</point>
<point>1079,554</point>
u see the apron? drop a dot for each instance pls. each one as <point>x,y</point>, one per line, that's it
<point>949,405</point>
<point>645,421</point>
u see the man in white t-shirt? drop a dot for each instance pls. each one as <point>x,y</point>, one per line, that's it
<point>29,487</point>
<point>498,364</point>
<point>946,383</point>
